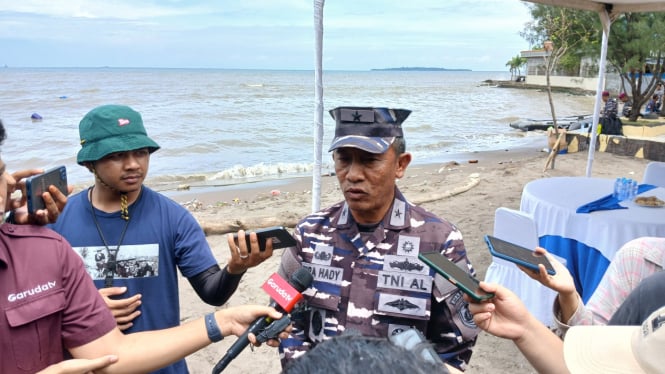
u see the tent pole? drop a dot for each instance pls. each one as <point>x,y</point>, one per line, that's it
<point>606,23</point>
<point>318,106</point>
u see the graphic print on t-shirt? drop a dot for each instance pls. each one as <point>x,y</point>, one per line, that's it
<point>133,261</point>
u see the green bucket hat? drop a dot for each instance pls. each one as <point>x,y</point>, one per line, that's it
<point>112,128</point>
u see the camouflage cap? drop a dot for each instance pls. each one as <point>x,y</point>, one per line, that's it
<point>370,129</point>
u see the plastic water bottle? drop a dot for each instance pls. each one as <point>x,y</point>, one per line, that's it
<point>617,186</point>
<point>633,189</point>
<point>623,189</point>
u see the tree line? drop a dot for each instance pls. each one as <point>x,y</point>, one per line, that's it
<point>636,46</point>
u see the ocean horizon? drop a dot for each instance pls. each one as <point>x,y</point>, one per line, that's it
<point>230,126</point>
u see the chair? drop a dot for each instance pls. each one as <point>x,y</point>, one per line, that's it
<point>520,228</point>
<point>654,174</point>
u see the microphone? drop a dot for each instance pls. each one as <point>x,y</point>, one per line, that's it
<point>284,296</point>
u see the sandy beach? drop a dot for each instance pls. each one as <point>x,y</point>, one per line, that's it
<point>465,193</point>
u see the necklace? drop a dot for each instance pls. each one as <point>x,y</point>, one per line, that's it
<point>111,264</point>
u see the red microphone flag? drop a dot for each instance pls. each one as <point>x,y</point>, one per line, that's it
<point>282,292</point>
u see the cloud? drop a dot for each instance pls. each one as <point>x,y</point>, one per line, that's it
<point>261,34</point>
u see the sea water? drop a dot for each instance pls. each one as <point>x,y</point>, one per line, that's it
<point>219,127</point>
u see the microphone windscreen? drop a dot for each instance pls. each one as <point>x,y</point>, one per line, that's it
<point>301,279</point>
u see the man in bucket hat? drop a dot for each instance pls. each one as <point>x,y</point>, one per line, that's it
<point>132,224</point>
<point>50,307</point>
<point>363,251</point>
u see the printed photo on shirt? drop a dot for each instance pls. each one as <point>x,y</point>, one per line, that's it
<point>131,261</point>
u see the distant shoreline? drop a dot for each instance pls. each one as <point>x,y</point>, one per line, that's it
<point>419,69</point>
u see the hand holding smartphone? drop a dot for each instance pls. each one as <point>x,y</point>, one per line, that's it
<point>36,185</point>
<point>455,275</point>
<point>518,254</point>
<point>281,238</point>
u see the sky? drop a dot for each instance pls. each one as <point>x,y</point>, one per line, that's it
<point>481,35</point>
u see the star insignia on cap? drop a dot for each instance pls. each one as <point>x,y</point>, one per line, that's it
<point>356,116</point>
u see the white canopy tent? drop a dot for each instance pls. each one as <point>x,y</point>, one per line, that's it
<point>607,10</point>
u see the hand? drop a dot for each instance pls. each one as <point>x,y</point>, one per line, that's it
<point>124,310</point>
<point>54,200</point>
<point>561,282</point>
<point>236,320</point>
<point>504,315</point>
<point>80,365</point>
<point>242,258</point>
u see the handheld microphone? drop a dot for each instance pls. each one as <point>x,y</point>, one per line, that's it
<point>284,296</point>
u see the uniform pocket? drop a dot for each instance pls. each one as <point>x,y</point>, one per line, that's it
<point>35,329</point>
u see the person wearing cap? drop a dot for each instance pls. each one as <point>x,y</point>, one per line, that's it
<point>51,306</point>
<point>611,107</point>
<point>585,349</point>
<point>363,251</point>
<point>627,107</point>
<point>609,124</point>
<point>130,222</point>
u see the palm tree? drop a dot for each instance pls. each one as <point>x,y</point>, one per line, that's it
<point>511,64</point>
<point>516,63</point>
<point>520,62</point>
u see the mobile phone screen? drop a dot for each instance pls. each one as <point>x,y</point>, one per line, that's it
<point>36,185</point>
<point>455,275</point>
<point>517,254</point>
<point>281,238</point>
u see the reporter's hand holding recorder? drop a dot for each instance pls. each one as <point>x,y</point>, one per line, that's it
<point>505,316</point>
<point>562,282</point>
<point>242,256</point>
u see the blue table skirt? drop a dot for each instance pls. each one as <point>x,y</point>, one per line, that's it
<point>586,264</point>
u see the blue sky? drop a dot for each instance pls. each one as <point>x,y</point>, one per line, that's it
<point>481,35</point>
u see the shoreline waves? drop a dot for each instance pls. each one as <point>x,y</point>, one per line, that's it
<point>219,126</point>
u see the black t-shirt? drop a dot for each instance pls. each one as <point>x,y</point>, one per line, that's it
<point>645,299</point>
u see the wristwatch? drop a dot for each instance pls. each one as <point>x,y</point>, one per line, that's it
<point>214,334</point>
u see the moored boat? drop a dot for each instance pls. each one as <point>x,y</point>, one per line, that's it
<point>569,123</point>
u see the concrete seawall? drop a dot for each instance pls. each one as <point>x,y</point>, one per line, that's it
<point>647,142</point>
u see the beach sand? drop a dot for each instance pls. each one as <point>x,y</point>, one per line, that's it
<point>464,193</point>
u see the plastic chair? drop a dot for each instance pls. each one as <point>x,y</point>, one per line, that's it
<point>520,228</point>
<point>654,173</point>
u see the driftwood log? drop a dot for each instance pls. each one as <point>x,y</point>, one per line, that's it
<point>224,227</point>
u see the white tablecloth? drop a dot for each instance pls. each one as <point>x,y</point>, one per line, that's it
<point>553,202</point>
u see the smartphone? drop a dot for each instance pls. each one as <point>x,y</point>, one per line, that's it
<point>455,275</point>
<point>517,254</point>
<point>36,185</point>
<point>281,238</point>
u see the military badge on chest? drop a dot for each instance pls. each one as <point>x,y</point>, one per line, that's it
<point>323,254</point>
<point>408,246</point>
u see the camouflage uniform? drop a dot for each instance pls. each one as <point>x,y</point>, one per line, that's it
<point>373,282</point>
